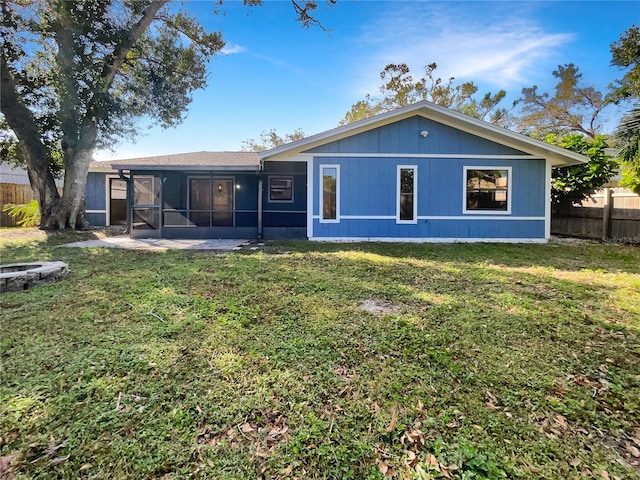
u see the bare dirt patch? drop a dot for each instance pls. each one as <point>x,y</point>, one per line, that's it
<point>378,305</point>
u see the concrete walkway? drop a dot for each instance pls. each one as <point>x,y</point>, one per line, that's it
<point>160,244</point>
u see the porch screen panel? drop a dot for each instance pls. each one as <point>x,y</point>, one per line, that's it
<point>200,201</point>
<point>146,191</point>
<point>222,215</point>
<point>146,203</point>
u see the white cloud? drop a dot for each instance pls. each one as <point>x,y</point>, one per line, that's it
<point>498,45</point>
<point>232,48</point>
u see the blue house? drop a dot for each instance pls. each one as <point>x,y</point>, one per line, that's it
<point>421,173</point>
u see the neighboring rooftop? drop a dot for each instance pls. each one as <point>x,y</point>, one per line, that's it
<point>183,161</point>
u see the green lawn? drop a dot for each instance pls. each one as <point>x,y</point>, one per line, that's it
<point>471,361</point>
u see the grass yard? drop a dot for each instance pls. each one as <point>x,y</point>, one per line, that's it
<point>323,361</point>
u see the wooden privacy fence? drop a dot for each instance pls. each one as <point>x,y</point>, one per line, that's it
<point>16,194</point>
<point>613,214</point>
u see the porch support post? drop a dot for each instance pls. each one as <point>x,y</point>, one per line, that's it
<point>129,201</point>
<point>260,205</point>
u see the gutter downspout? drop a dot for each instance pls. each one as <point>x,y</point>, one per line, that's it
<point>129,199</point>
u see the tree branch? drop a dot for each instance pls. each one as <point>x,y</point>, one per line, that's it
<point>19,118</point>
<point>119,55</point>
<point>305,17</point>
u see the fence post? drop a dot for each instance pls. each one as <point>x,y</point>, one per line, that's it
<point>606,213</point>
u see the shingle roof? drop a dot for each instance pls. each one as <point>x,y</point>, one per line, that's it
<point>184,161</point>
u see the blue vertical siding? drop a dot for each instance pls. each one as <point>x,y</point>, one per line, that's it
<point>95,198</point>
<point>430,229</point>
<point>96,219</point>
<point>368,188</point>
<point>95,192</point>
<point>368,184</point>
<point>404,137</point>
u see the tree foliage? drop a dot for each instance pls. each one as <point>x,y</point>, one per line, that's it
<point>76,75</point>
<point>573,108</point>
<point>399,89</point>
<point>270,139</point>
<point>80,75</point>
<point>576,183</point>
<point>628,137</point>
<point>27,215</point>
<point>626,55</point>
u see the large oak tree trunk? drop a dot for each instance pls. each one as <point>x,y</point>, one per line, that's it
<point>78,120</point>
<point>71,211</point>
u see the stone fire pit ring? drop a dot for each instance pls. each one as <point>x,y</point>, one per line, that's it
<point>22,276</point>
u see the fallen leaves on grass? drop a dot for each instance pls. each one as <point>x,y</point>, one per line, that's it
<point>394,419</point>
<point>261,437</point>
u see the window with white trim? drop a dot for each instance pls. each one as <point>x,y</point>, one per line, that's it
<point>407,204</point>
<point>487,190</point>
<point>330,193</point>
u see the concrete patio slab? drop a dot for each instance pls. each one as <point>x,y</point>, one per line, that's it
<point>159,244</point>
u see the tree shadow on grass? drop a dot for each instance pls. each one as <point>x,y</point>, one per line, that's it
<point>570,257</point>
<point>161,350</point>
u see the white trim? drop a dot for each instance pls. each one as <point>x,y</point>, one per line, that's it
<point>309,197</point>
<point>547,200</point>
<point>465,169</point>
<point>428,240</point>
<point>436,217</point>
<point>321,192</point>
<point>368,217</point>
<point>478,217</point>
<point>296,158</point>
<point>107,194</point>
<point>423,155</point>
<point>414,218</point>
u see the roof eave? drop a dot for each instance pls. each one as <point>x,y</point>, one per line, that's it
<point>188,168</point>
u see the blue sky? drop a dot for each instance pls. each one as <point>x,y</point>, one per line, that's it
<point>275,74</point>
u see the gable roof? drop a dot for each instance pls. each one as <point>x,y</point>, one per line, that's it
<point>184,161</point>
<point>558,156</point>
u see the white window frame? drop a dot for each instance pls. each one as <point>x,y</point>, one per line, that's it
<point>509,190</point>
<point>107,187</point>
<point>321,189</point>
<point>414,220</point>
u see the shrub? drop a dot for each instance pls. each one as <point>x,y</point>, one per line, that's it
<point>28,215</point>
